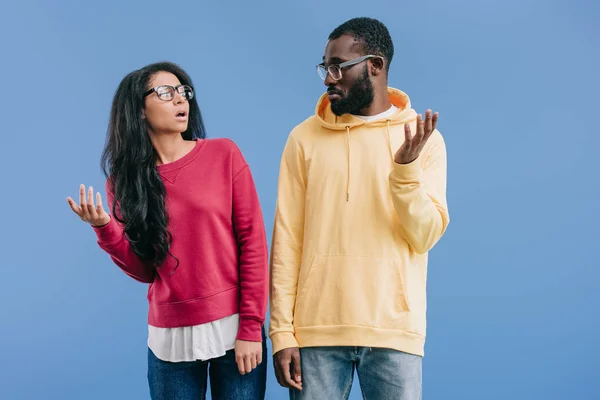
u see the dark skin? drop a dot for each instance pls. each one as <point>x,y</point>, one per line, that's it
<point>412,146</point>
<point>345,48</point>
<point>287,365</point>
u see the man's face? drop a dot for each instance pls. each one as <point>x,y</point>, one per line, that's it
<point>354,91</point>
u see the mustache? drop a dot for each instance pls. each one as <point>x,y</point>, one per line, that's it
<point>333,90</point>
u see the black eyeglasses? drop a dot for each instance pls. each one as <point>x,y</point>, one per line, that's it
<point>167,92</point>
<point>335,70</point>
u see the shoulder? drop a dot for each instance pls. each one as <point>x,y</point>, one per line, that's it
<point>228,152</point>
<point>223,148</point>
<point>301,136</point>
<point>305,129</point>
<point>222,144</point>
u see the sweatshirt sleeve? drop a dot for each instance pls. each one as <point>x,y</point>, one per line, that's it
<point>287,244</point>
<point>249,227</point>
<point>419,196</point>
<point>111,239</point>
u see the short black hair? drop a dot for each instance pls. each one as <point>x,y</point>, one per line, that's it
<point>373,36</point>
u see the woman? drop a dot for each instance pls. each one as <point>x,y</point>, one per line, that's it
<point>186,219</point>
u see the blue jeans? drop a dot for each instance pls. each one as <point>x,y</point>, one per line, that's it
<point>328,372</point>
<point>188,380</point>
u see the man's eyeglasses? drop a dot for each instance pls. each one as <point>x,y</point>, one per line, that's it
<point>335,70</point>
<point>167,92</point>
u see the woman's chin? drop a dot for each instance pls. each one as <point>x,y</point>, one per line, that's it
<point>170,131</point>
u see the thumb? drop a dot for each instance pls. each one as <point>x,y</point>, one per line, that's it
<point>296,367</point>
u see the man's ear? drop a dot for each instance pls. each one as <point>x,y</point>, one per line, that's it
<point>377,66</point>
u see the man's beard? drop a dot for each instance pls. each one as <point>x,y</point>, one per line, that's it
<point>359,97</point>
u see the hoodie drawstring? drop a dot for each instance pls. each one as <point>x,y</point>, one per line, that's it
<point>348,151</point>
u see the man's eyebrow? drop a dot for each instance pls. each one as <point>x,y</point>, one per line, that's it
<point>335,60</point>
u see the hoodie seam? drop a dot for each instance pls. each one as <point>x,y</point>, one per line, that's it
<point>360,326</point>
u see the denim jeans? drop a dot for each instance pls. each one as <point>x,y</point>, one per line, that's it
<point>328,372</point>
<point>189,380</point>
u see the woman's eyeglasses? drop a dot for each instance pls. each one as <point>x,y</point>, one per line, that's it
<point>167,92</point>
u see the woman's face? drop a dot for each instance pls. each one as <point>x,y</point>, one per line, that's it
<point>167,110</point>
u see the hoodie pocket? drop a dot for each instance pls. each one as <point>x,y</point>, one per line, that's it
<point>352,290</point>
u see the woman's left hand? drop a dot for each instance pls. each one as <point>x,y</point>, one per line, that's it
<point>248,355</point>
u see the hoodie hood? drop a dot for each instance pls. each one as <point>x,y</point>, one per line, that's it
<point>331,121</point>
<point>404,114</point>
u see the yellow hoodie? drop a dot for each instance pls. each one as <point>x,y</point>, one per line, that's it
<point>352,231</point>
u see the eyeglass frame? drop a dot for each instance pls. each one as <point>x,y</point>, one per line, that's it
<point>173,88</point>
<point>343,65</point>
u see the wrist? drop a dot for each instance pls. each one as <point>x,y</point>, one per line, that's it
<point>102,224</point>
<point>406,162</point>
<point>404,173</point>
<point>108,233</point>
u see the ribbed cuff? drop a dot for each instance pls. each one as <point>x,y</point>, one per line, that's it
<point>250,330</point>
<point>406,172</point>
<point>108,233</point>
<point>283,340</point>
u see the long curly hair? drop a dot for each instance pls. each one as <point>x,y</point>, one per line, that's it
<point>129,159</point>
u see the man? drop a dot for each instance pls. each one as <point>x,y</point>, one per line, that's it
<point>361,201</point>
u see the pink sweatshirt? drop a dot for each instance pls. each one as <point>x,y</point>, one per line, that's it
<point>218,237</point>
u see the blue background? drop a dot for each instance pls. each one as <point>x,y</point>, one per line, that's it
<point>513,285</point>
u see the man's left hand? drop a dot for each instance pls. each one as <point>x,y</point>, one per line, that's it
<point>412,146</point>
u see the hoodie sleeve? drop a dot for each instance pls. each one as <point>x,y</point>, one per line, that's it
<point>111,239</point>
<point>287,243</point>
<point>419,195</point>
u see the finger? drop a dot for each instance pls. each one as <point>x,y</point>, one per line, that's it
<point>428,123</point>
<point>259,358</point>
<point>240,364</point>
<point>76,209</point>
<point>83,202</point>
<point>90,203</point>
<point>297,368</point>
<point>430,128</point>
<point>289,383</point>
<point>279,375</point>
<point>407,134</point>
<point>280,367</point>
<point>99,208</point>
<point>420,128</point>
<point>434,120</point>
<point>248,364</point>
<point>253,361</point>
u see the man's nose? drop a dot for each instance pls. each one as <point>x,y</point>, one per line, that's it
<point>329,81</point>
